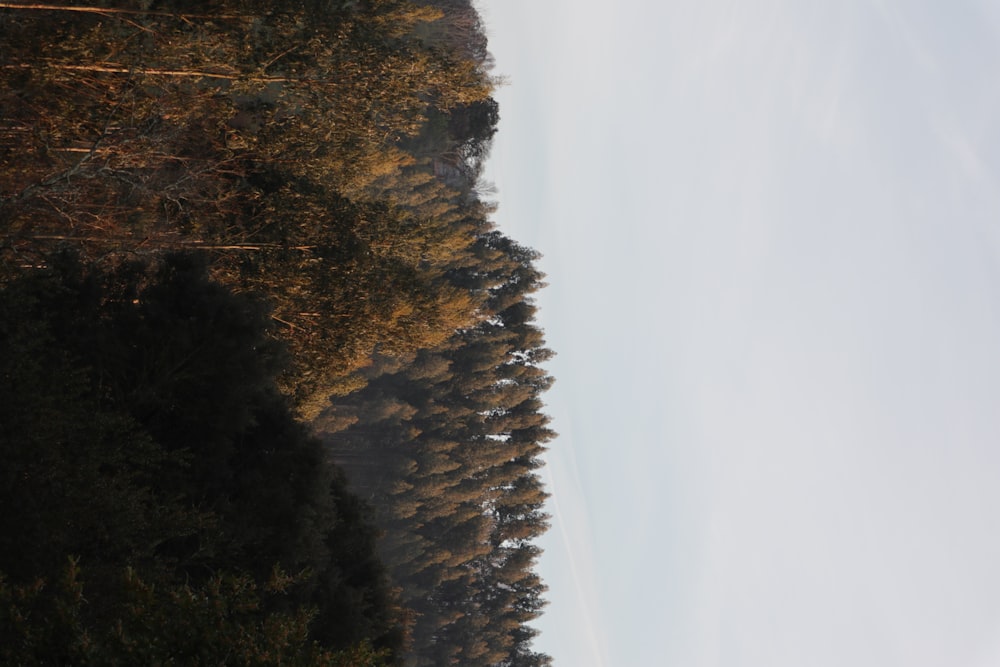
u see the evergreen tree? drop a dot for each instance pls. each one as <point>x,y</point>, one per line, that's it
<point>143,429</point>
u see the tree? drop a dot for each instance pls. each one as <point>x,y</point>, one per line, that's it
<point>218,622</point>
<point>144,429</point>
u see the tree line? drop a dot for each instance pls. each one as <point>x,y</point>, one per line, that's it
<point>275,383</point>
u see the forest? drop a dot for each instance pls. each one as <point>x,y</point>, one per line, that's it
<point>272,379</point>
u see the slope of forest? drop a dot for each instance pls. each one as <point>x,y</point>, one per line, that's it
<point>272,383</point>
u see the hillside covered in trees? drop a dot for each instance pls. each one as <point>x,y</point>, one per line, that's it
<point>272,383</point>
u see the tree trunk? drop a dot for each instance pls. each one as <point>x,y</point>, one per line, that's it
<point>112,10</point>
<point>193,245</point>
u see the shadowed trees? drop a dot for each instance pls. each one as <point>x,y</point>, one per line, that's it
<point>144,433</point>
<point>219,217</point>
<point>446,445</point>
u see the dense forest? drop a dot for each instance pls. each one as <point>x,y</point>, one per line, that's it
<point>272,383</point>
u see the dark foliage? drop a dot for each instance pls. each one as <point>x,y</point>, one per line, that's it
<point>143,429</point>
<point>326,155</point>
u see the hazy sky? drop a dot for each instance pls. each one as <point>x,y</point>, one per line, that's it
<point>772,235</point>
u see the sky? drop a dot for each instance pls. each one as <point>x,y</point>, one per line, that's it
<point>771,230</point>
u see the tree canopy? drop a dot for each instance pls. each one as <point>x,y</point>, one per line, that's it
<point>273,387</point>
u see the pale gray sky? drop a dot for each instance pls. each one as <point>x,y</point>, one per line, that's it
<point>772,234</point>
